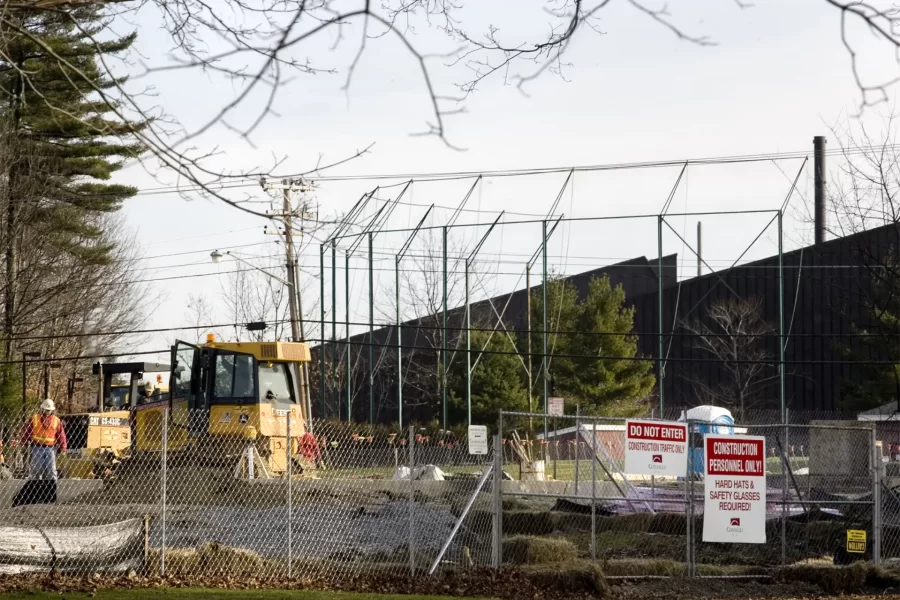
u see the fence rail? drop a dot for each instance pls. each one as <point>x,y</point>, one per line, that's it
<point>150,496</point>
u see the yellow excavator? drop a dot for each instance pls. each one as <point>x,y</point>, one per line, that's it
<point>228,401</point>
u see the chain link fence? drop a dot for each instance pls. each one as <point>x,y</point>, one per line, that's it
<point>822,479</point>
<point>140,493</point>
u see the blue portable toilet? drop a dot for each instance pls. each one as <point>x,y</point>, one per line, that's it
<point>709,419</point>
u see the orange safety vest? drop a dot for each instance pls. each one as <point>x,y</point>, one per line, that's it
<point>44,436</point>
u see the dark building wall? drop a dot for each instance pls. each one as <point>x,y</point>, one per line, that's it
<point>825,290</point>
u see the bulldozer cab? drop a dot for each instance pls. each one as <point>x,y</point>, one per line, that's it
<point>227,387</point>
<point>134,392</point>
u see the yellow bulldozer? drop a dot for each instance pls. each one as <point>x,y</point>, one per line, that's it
<point>100,439</point>
<point>227,403</point>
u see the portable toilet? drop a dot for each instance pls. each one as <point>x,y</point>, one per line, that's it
<point>706,419</point>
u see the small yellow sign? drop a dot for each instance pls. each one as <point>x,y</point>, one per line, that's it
<point>856,541</point>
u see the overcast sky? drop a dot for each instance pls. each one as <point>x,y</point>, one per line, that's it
<point>777,76</point>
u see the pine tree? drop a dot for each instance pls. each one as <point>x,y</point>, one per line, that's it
<point>68,142</point>
<point>496,380</point>
<point>880,339</point>
<point>592,350</point>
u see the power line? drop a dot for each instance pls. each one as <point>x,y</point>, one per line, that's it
<point>629,358</point>
<point>142,331</point>
<point>86,357</point>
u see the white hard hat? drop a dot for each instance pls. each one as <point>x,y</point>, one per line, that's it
<point>48,405</point>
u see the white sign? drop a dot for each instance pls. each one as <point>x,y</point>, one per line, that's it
<point>556,407</point>
<point>478,441</point>
<point>734,507</point>
<point>655,448</point>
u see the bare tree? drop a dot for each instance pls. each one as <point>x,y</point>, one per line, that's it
<point>733,334</point>
<point>258,46</point>
<point>70,308</point>
<point>249,297</point>
<point>199,313</point>
<point>864,198</point>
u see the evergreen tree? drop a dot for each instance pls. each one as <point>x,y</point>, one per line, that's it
<point>68,142</point>
<point>879,340</point>
<point>592,359</point>
<point>496,380</point>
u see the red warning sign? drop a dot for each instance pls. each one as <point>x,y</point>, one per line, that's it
<point>735,489</point>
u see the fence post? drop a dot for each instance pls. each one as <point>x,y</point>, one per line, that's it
<point>689,501</point>
<point>877,466</point>
<point>577,450</point>
<point>594,491</point>
<point>412,502</point>
<point>165,444</point>
<point>290,476</point>
<point>497,554</point>
<point>785,470</point>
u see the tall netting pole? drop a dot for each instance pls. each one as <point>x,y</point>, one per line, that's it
<point>348,381</point>
<point>660,369</point>
<point>444,342</point>
<point>468,352</point>
<point>399,344</point>
<point>334,386</point>
<point>371,337</point>
<point>544,365</point>
<point>322,367</point>
<point>781,334</point>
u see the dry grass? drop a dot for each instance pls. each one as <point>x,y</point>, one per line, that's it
<point>576,578</point>
<point>840,580</point>
<point>211,559</point>
<point>528,550</point>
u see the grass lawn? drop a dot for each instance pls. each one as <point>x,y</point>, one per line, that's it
<point>202,594</point>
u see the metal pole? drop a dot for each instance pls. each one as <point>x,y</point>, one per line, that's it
<point>544,366</point>
<point>877,467</point>
<point>371,337</point>
<point>497,554</point>
<point>819,183</point>
<point>699,248</point>
<point>785,470</point>
<point>165,445</point>
<point>468,352</point>
<point>334,387</point>
<point>530,367</point>
<point>322,366</point>
<point>347,336</point>
<point>399,345</point>
<point>462,516</point>
<point>577,449</point>
<point>412,502</point>
<point>660,369</point>
<point>290,477</point>
<point>444,342</point>
<point>781,339</point>
<point>594,491</point>
<point>689,502</point>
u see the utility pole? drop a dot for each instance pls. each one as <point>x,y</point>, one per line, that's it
<point>294,301</point>
<point>289,249</point>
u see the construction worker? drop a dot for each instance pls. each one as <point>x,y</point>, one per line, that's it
<point>45,433</point>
